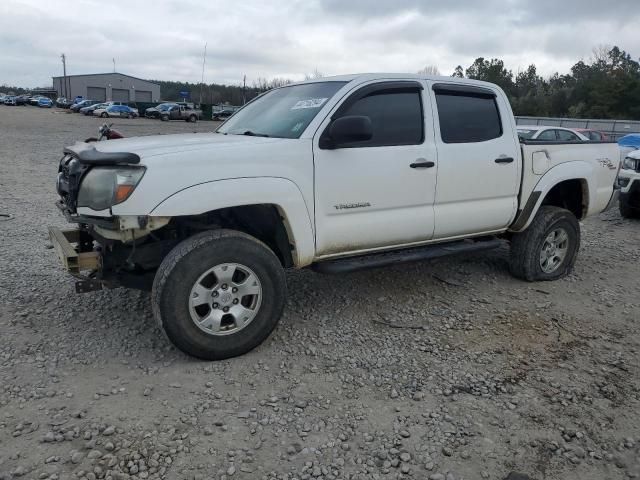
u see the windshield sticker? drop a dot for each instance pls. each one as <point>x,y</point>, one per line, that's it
<point>297,127</point>
<point>310,103</point>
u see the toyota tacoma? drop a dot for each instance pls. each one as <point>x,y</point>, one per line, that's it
<point>336,174</point>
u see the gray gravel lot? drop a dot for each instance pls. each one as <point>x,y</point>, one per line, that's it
<point>443,370</point>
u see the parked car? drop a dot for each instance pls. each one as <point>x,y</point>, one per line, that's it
<point>22,99</point>
<point>10,100</point>
<point>45,102</point>
<point>593,135</point>
<point>34,100</point>
<point>218,217</point>
<point>116,111</point>
<point>549,134</point>
<point>181,112</point>
<point>155,112</point>
<point>84,103</point>
<point>629,181</point>
<point>223,114</point>
<point>91,108</point>
<point>62,102</point>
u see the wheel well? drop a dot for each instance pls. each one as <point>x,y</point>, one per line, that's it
<point>262,221</point>
<point>570,194</point>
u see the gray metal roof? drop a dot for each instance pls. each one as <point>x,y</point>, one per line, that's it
<point>108,73</point>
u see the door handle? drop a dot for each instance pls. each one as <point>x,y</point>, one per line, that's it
<point>423,164</point>
<point>504,160</point>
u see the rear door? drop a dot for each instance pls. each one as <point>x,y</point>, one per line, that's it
<point>379,192</point>
<point>478,160</point>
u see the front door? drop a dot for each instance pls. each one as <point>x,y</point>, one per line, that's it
<point>378,192</point>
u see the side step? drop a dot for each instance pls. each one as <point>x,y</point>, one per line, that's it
<point>407,255</point>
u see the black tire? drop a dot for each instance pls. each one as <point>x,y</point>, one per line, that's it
<point>627,211</point>
<point>104,114</point>
<point>164,118</point>
<point>526,246</point>
<point>192,119</point>
<point>184,265</point>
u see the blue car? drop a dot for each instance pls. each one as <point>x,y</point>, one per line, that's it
<point>45,102</point>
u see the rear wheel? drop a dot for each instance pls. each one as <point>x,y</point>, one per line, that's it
<point>219,294</point>
<point>164,118</point>
<point>104,115</point>
<point>548,248</point>
<point>192,119</point>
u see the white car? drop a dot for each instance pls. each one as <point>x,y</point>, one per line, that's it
<point>629,181</point>
<point>121,111</point>
<point>550,134</point>
<point>336,174</point>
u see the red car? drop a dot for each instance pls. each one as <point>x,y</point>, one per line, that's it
<point>593,135</point>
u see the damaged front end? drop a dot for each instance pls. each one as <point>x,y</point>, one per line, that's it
<point>106,250</point>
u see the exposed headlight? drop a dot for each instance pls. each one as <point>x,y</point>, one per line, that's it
<point>103,187</point>
<point>630,163</point>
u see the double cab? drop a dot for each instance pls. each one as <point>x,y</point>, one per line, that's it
<point>335,174</point>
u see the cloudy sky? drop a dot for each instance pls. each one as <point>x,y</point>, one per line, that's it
<point>164,39</point>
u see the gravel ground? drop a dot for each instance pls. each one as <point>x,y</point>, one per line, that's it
<point>443,370</point>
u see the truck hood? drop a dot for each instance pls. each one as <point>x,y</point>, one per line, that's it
<point>155,145</point>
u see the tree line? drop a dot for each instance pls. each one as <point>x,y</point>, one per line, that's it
<point>607,86</point>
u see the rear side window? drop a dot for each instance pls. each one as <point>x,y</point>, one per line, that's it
<point>548,135</point>
<point>396,117</point>
<point>468,118</point>
<point>565,136</point>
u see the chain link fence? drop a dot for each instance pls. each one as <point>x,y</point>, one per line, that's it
<point>614,128</point>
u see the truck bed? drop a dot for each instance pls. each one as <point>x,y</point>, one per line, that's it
<point>596,161</point>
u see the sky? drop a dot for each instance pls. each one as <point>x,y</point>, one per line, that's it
<point>165,39</point>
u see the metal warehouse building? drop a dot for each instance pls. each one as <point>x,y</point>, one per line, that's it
<point>103,87</point>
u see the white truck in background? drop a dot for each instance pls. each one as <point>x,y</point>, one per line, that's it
<point>629,181</point>
<point>336,174</point>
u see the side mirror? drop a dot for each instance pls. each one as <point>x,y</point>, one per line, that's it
<point>349,129</point>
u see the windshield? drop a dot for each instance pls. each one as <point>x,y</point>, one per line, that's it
<point>164,106</point>
<point>526,134</point>
<point>284,112</point>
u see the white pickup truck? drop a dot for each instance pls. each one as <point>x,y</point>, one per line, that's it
<point>335,174</point>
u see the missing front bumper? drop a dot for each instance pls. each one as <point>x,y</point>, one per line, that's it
<point>68,245</point>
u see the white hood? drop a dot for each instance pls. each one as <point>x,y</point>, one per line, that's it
<point>152,145</point>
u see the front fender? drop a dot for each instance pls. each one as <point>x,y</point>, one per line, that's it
<point>236,192</point>
<point>576,170</point>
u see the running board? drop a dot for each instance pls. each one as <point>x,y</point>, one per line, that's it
<point>407,255</point>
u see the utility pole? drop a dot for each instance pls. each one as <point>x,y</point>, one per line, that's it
<point>64,73</point>
<point>204,59</point>
<point>244,89</point>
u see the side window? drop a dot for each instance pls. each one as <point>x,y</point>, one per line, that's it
<point>468,118</point>
<point>548,135</point>
<point>566,136</point>
<point>396,117</point>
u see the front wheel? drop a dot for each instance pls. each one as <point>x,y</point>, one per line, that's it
<point>104,115</point>
<point>219,294</point>
<point>548,248</point>
<point>164,118</point>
